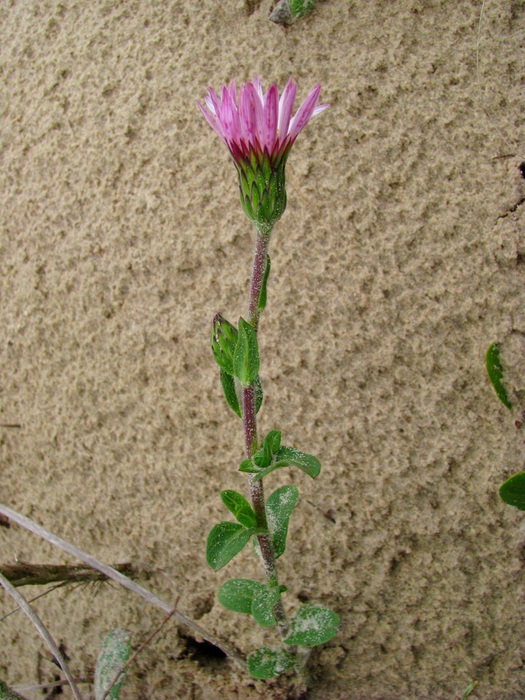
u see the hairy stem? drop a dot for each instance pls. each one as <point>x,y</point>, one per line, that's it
<point>249,419</point>
<point>259,264</point>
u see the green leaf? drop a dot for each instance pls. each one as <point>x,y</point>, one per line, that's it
<point>248,467</point>
<point>228,387</point>
<point>290,457</point>
<point>263,457</point>
<point>238,593</point>
<point>262,294</point>
<point>279,507</point>
<point>495,372</point>
<point>262,605</point>
<point>7,694</point>
<point>274,440</point>
<point>512,491</point>
<point>239,507</point>
<point>246,354</point>
<point>114,653</point>
<point>267,663</point>
<point>224,542</point>
<point>312,625</point>
<point>470,687</point>
<point>300,8</point>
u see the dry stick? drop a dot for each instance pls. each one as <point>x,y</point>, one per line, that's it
<point>138,651</point>
<point>22,573</point>
<point>23,521</point>
<point>43,686</point>
<point>31,600</point>
<point>42,631</point>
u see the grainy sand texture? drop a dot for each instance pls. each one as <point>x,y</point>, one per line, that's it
<point>399,260</point>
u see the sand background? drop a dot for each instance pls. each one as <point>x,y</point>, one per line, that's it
<point>398,261</point>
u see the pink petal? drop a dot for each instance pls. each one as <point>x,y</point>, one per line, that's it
<point>256,112</point>
<point>319,109</point>
<point>304,113</point>
<point>258,89</point>
<point>212,100</point>
<point>247,113</point>
<point>229,117</point>
<point>270,117</point>
<point>285,109</point>
<point>212,121</point>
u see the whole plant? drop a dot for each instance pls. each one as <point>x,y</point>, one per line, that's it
<point>259,131</point>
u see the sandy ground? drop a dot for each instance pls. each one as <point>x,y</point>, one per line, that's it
<point>398,261</point>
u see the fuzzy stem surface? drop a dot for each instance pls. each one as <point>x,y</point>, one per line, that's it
<point>249,418</point>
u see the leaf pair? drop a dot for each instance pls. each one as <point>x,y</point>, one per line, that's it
<point>237,354</point>
<point>272,456</point>
<point>228,539</point>
<point>251,598</point>
<point>312,625</point>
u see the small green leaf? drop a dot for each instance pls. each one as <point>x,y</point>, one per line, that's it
<point>267,663</point>
<point>300,8</point>
<point>262,605</point>
<point>224,542</point>
<point>228,387</point>
<point>512,491</point>
<point>279,507</point>
<point>263,457</point>
<point>248,467</point>
<point>274,440</point>
<point>246,355</point>
<point>239,507</point>
<point>262,294</point>
<point>312,625</point>
<point>495,372</point>
<point>470,687</point>
<point>290,457</point>
<point>238,593</point>
<point>114,653</point>
<point>7,694</point>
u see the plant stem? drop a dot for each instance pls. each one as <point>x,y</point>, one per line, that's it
<point>249,419</point>
<point>259,264</point>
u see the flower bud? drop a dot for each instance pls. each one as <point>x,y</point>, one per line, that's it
<point>223,341</point>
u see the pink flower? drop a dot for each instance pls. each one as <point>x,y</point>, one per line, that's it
<point>259,131</point>
<point>251,121</point>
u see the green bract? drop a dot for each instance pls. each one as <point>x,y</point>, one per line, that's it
<point>263,189</point>
<point>223,341</point>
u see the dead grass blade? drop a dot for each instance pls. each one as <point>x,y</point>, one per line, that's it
<point>124,581</point>
<point>42,631</point>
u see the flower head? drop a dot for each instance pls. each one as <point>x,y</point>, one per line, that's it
<point>259,131</point>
